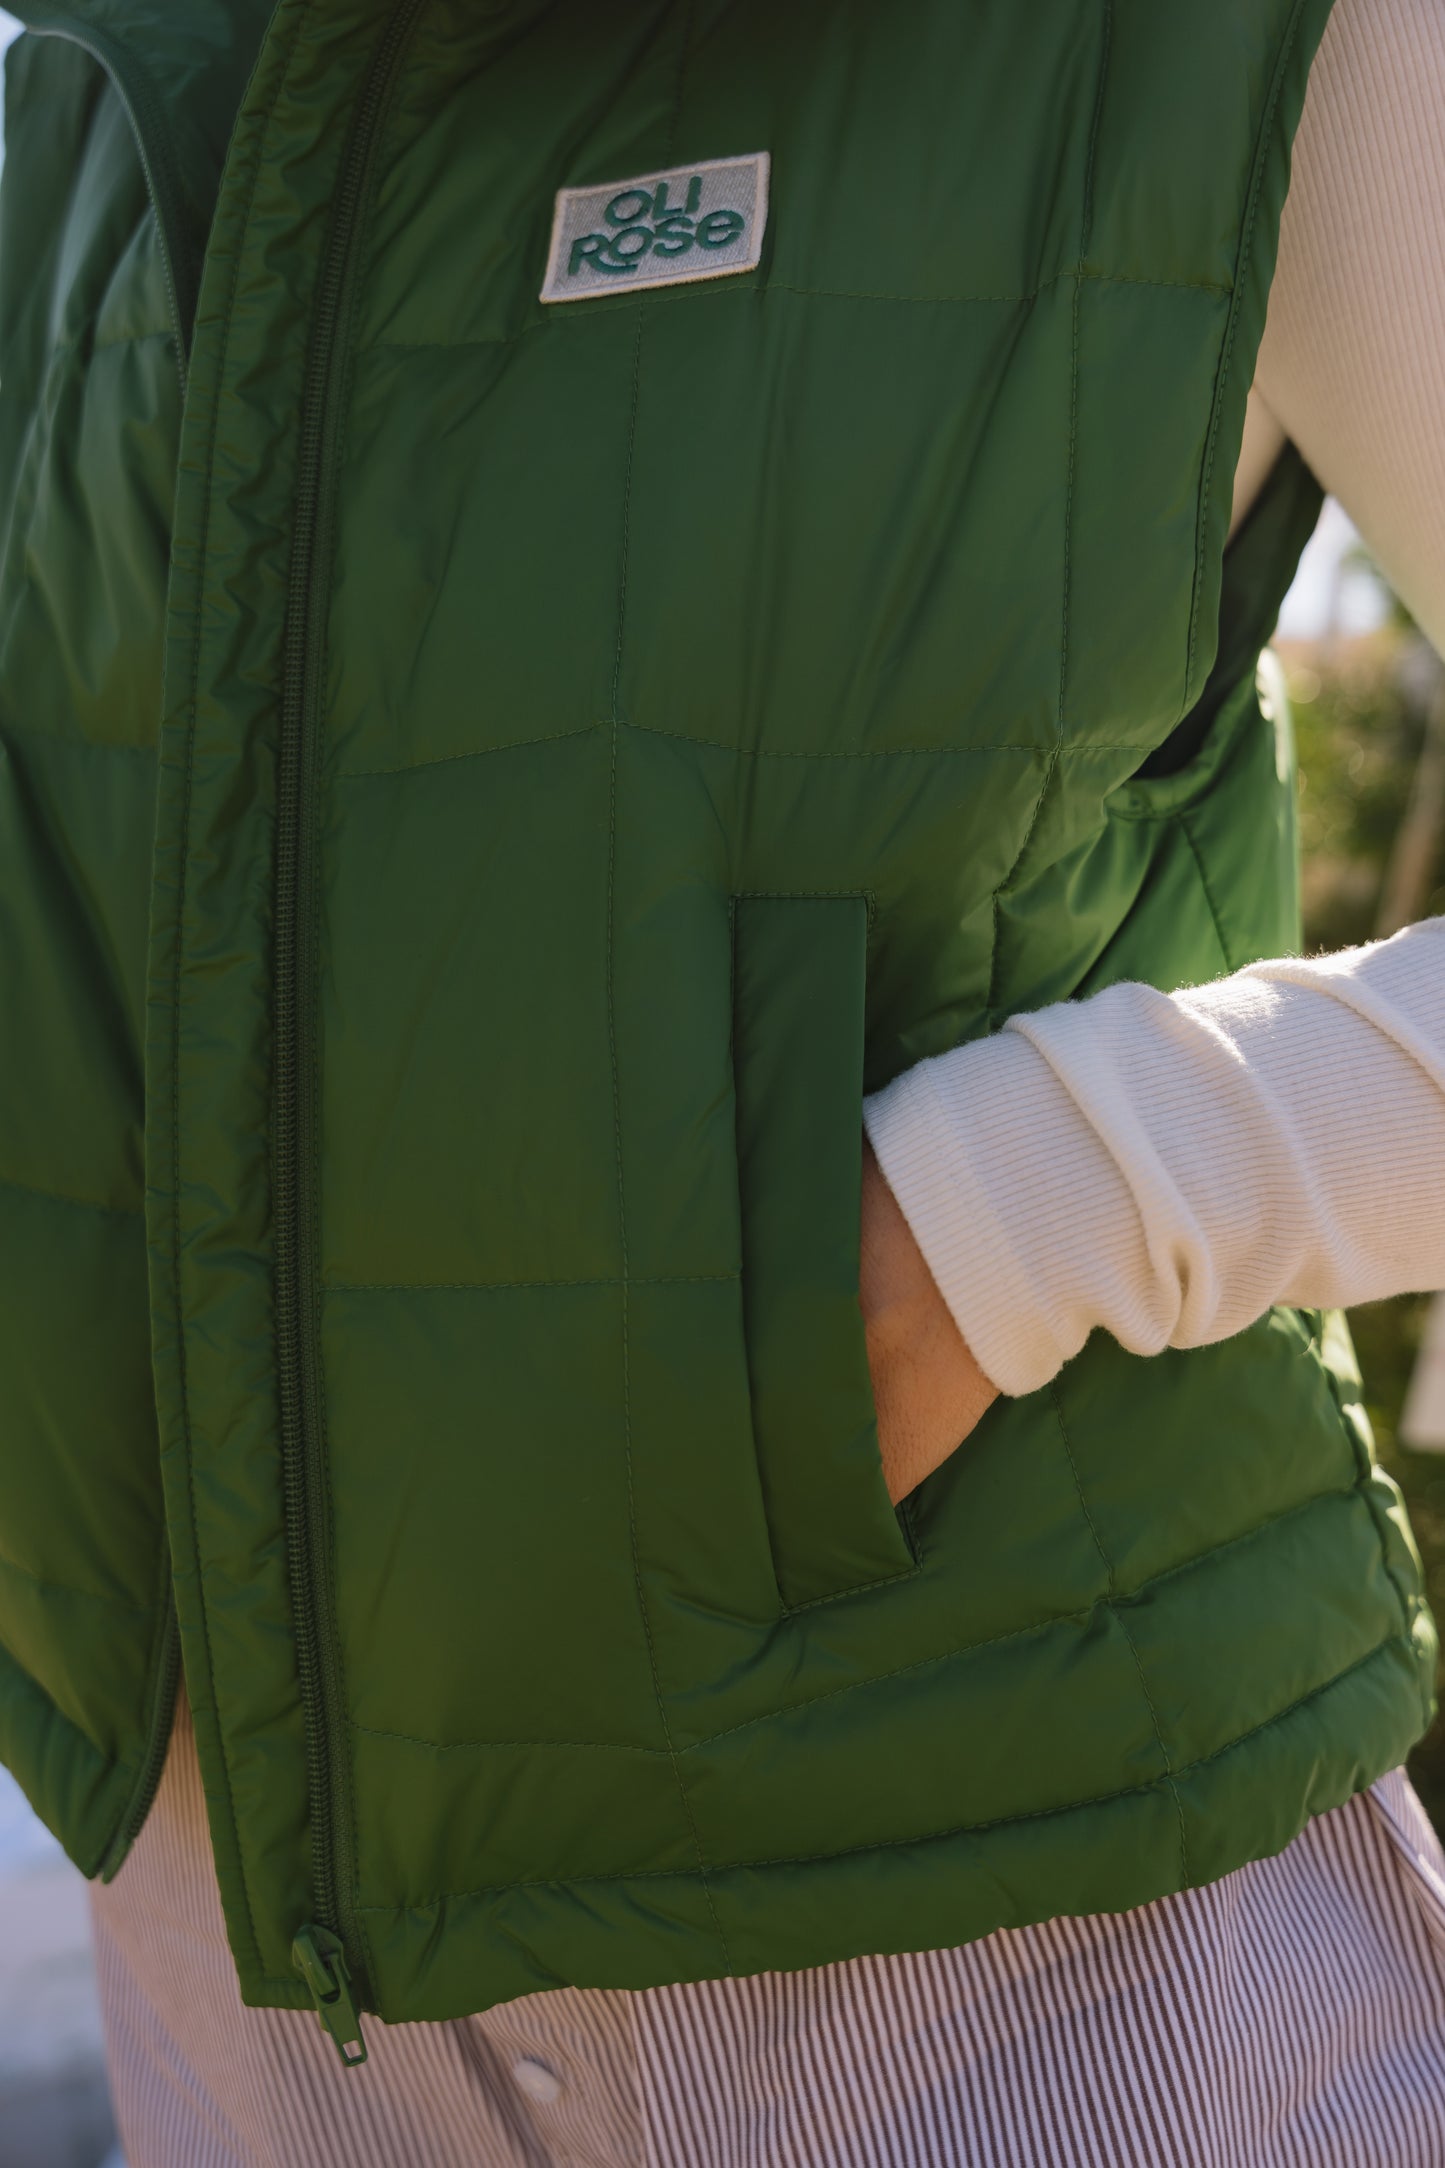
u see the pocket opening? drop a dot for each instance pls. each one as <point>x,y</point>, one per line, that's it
<point>799,971</point>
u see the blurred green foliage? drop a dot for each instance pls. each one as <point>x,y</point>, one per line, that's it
<point>1358,731</point>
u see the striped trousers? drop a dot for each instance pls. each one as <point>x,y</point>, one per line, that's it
<point>1289,2016</point>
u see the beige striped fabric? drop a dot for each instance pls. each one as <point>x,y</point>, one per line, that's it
<point>1288,2016</point>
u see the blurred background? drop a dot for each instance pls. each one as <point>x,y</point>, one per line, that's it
<point>1370,722</point>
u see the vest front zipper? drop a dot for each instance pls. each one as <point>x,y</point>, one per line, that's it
<point>328,1949</point>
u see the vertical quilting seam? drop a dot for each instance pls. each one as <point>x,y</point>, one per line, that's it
<point>1116,1613</point>
<point>637,1580</point>
<point>1182,823</point>
<point>1050,768</point>
<point>1086,221</point>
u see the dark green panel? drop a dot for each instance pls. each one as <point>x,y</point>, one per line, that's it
<point>79,1485</point>
<point>926,211</point>
<point>702,1536</point>
<point>467,1113</point>
<point>1324,1601</point>
<point>74,823</point>
<point>783,443</point>
<point>1255,1467</point>
<point>1134,507</point>
<point>73,1788</point>
<point>1186,92</point>
<point>1044,1748</point>
<point>428,1805</point>
<point>498,107</point>
<point>481,1505</point>
<point>848,597</point>
<point>672,817</point>
<point>1314,1756</point>
<point>477,585</point>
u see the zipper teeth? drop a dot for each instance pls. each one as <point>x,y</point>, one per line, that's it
<point>302,1441</point>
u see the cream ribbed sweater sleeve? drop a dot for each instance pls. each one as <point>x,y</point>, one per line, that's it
<point>1352,366</point>
<point>1166,1167</point>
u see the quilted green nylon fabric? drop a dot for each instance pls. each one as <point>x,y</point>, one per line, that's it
<point>485,790</point>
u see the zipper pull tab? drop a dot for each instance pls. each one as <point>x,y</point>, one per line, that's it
<point>321,1961</point>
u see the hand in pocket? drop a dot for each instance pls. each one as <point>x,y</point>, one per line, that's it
<point>928,1389</point>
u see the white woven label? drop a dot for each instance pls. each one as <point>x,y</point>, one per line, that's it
<point>661,229</point>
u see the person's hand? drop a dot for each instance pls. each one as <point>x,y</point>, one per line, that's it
<point>928,1389</point>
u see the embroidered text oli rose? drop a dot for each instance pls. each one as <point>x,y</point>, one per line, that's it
<point>643,221</point>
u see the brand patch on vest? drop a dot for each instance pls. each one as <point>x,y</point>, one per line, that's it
<point>662,229</point>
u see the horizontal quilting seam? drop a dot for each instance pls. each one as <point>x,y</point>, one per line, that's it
<point>117,341</point>
<point>76,745</point>
<point>1060,278</point>
<point>503,1746</point>
<point>881,752</point>
<point>1038,1626</point>
<point>131,338</point>
<point>506,1287</point>
<point>64,1588</point>
<point>1042,749</point>
<point>716,291</point>
<point>83,345</point>
<point>1159,1784</point>
<point>923,1663</point>
<point>76,1204</point>
<point>471,752</point>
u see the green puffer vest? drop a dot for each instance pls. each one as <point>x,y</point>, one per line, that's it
<point>486,787</point>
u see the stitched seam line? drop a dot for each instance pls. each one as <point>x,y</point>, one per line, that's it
<point>1006,884</point>
<point>1035,1626</point>
<point>474,752</point>
<point>745,752</point>
<point>195,616</point>
<point>1256,183</point>
<point>81,343</point>
<point>1182,822</point>
<point>37,731</point>
<point>927,1836</point>
<point>76,1204</point>
<point>507,1746</point>
<point>882,752</point>
<point>63,1588</point>
<point>642,1606</point>
<point>859,1588</point>
<point>491,1287</point>
<point>1066,576</point>
<point>1085,229</point>
<point>734,290</point>
<point>926,1663</point>
<point>1122,1623</point>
